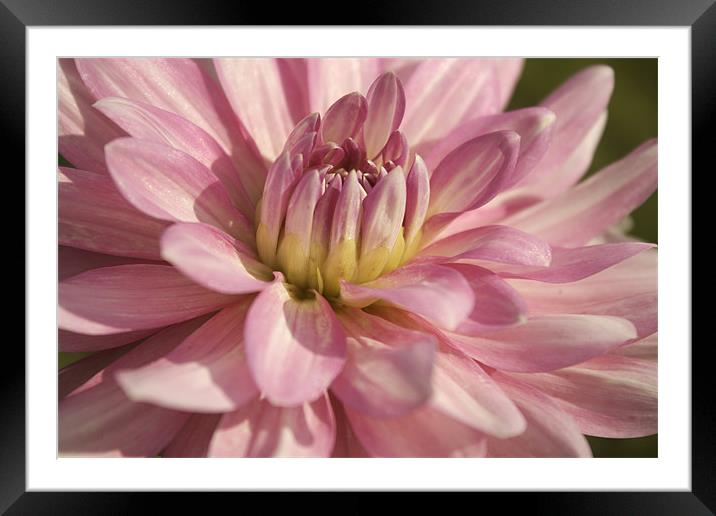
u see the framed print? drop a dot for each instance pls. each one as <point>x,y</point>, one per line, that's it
<point>420,257</point>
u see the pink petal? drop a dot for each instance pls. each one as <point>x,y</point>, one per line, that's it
<point>71,261</point>
<point>207,372</point>
<point>572,167</point>
<point>442,93</point>
<point>295,347</point>
<point>213,259</point>
<point>345,118</point>
<point>424,432</point>
<point>294,77</point>
<point>507,72</point>
<point>576,216</point>
<point>131,297</point>
<point>417,198</point>
<point>95,217</point>
<point>262,430</point>
<point>497,304</point>
<point>97,419</point>
<point>570,265</point>
<point>628,289</point>
<point>579,103</point>
<point>83,132</point>
<point>609,396</point>
<point>295,246</point>
<point>330,79</point>
<point>500,244</point>
<point>156,125</point>
<point>347,444</point>
<point>473,173</point>
<point>440,294</point>
<point>170,185</point>
<point>77,342</point>
<point>78,373</point>
<point>255,90</point>
<point>386,105</point>
<point>346,217</point>
<point>382,218</point>
<point>182,87</point>
<point>547,343</point>
<point>194,437</point>
<point>388,369</point>
<point>533,125</point>
<point>280,183</point>
<point>573,298</point>
<point>463,391</point>
<point>550,431</point>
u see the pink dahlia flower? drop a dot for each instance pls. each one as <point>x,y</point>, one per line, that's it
<point>347,257</point>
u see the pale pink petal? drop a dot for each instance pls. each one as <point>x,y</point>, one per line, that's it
<point>255,89</point>
<point>345,118</point>
<point>440,294</point>
<point>550,431</point>
<point>131,297</point>
<point>194,437</point>
<point>533,125</point>
<point>497,304</point>
<point>71,261</point>
<point>295,347</point>
<point>213,259</point>
<point>182,87</point>
<point>331,78</point>
<point>98,420</point>
<point>463,391</point>
<point>386,106</point>
<point>579,104</point>
<point>83,132</point>
<point>94,216</point>
<point>262,430</point>
<point>442,93</point>
<point>425,432</point>
<point>500,244</point>
<point>388,368</point>
<point>159,126</point>
<point>587,210</point>
<point>546,343</point>
<point>474,172</point>
<point>507,71</point>
<point>570,265</point>
<point>609,396</point>
<point>168,184</point>
<point>76,342</point>
<point>207,372</point>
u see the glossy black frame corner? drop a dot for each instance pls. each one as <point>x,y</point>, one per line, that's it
<point>16,15</point>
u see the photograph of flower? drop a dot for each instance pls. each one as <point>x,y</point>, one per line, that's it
<point>357,257</point>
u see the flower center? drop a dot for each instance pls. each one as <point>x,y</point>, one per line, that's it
<point>330,212</point>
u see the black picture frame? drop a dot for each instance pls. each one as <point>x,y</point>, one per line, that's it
<point>17,15</point>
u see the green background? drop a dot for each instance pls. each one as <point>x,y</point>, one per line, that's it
<point>632,120</point>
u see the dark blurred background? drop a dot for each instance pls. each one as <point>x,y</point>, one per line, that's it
<point>632,119</point>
